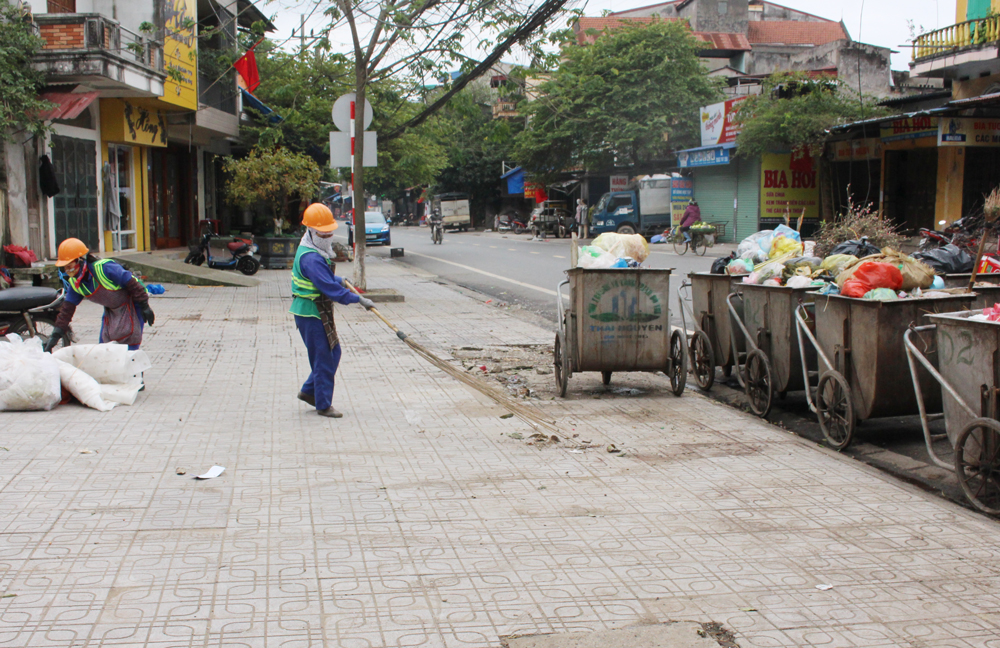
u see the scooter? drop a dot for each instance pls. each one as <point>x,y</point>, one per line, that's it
<point>437,230</point>
<point>510,223</point>
<point>240,249</point>
<point>31,311</point>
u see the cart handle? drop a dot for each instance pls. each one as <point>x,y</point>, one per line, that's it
<point>734,317</point>
<point>913,352</point>
<point>559,302</point>
<point>684,299</point>
<point>801,326</point>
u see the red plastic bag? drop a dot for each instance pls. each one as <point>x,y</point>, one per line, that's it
<point>23,257</point>
<point>992,313</point>
<point>871,275</point>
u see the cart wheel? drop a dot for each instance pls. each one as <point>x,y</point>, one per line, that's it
<point>758,382</point>
<point>677,364</point>
<point>562,233</point>
<point>559,364</point>
<point>606,377</point>
<point>702,360</point>
<point>835,410</point>
<point>977,464</point>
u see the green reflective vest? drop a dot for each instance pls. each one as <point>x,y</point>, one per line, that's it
<point>102,279</point>
<point>303,290</point>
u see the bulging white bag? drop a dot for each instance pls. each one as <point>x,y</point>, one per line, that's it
<point>83,387</point>
<point>29,377</point>
<point>108,364</point>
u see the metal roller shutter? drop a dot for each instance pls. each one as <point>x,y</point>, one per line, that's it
<point>714,189</point>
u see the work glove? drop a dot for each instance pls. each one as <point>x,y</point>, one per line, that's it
<point>54,337</point>
<point>339,280</point>
<point>367,303</point>
<point>147,312</point>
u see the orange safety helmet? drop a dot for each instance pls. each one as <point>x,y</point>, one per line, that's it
<point>319,217</point>
<point>70,250</point>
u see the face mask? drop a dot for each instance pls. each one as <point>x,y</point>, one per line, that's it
<point>323,245</point>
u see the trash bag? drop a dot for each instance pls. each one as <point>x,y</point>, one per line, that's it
<point>719,265</point>
<point>835,263</point>
<point>593,258</point>
<point>783,246</point>
<point>858,248</point>
<point>29,377</point>
<point>802,266</point>
<point>633,246</point>
<point>870,275</point>
<point>947,259</point>
<point>739,267</point>
<point>915,273</point>
<point>84,388</point>
<point>749,248</point>
<point>881,294</point>
<point>799,281</point>
<point>108,364</point>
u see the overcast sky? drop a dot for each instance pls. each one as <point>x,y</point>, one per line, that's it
<point>879,22</point>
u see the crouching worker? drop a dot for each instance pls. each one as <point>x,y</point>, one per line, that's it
<point>102,281</point>
<point>315,288</point>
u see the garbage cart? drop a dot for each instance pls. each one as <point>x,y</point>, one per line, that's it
<point>987,287</point>
<point>967,367</point>
<point>767,328</point>
<point>861,365</point>
<point>701,356</point>
<point>618,320</point>
<point>709,293</point>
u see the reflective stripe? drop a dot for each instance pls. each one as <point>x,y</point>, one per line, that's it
<point>98,271</point>
<point>301,286</point>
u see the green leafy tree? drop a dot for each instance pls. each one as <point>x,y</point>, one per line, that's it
<point>476,147</point>
<point>628,100</point>
<point>19,82</point>
<point>271,176</point>
<point>796,110</point>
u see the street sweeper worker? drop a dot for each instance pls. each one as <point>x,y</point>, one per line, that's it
<point>102,281</point>
<point>315,287</point>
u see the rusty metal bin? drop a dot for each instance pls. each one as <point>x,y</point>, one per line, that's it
<point>618,320</point>
<point>964,358</point>
<point>711,312</point>
<point>862,361</point>
<point>774,362</point>
<point>961,280</point>
<point>986,295</point>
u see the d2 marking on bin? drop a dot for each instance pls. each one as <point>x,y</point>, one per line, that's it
<point>620,301</point>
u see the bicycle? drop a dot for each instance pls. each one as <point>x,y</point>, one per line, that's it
<point>701,240</point>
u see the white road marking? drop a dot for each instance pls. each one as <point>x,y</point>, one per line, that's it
<point>493,247</point>
<point>556,256</point>
<point>536,252</point>
<point>488,274</point>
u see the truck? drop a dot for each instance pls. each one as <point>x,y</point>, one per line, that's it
<point>645,208</point>
<point>454,208</point>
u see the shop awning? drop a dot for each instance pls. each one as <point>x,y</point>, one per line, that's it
<point>69,105</point>
<point>714,155</point>
<point>251,101</point>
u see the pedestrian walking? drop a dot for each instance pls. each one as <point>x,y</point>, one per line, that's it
<point>315,288</point>
<point>691,216</point>
<point>104,282</point>
<point>581,218</point>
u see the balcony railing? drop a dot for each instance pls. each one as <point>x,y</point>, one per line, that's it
<point>92,32</point>
<point>966,34</point>
<point>505,108</point>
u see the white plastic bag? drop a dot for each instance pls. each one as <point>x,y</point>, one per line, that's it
<point>750,248</point>
<point>595,258</point>
<point>29,377</point>
<point>83,387</point>
<point>108,364</point>
<point>633,246</point>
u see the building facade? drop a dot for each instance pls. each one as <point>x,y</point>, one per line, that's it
<point>137,125</point>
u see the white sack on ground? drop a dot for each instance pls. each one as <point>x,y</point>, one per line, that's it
<point>29,377</point>
<point>108,364</point>
<point>83,387</point>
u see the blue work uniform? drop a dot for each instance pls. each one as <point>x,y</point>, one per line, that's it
<point>108,284</point>
<point>312,277</point>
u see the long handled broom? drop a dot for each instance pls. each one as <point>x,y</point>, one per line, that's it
<point>527,415</point>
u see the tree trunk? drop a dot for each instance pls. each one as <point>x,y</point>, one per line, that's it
<point>358,194</point>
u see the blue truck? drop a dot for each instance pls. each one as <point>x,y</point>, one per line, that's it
<point>644,209</point>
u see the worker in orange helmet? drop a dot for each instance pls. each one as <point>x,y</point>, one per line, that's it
<point>125,301</point>
<point>315,287</point>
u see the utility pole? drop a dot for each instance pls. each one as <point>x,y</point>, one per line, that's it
<point>302,34</point>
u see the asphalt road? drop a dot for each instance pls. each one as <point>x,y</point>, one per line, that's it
<point>513,268</point>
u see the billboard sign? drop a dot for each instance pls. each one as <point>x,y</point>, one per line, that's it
<point>718,123</point>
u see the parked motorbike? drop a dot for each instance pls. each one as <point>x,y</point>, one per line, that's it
<point>509,223</point>
<point>241,252</point>
<point>30,311</point>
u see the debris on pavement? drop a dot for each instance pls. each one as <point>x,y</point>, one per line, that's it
<point>824,587</point>
<point>180,471</point>
<point>212,473</point>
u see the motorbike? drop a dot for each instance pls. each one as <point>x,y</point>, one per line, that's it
<point>30,311</point>
<point>437,230</point>
<point>241,252</point>
<point>510,223</point>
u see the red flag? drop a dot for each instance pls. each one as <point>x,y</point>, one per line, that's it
<point>246,65</point>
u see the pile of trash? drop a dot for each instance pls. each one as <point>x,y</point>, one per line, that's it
<point>100,376</point>
<point>855,268</point>
<point>614,251</point>
<point>989,314</point>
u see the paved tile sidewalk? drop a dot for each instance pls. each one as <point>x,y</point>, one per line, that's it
<point>418,521</point>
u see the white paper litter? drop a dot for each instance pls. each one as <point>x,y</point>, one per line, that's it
<point>824,587</point>
<point>212,473</point>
